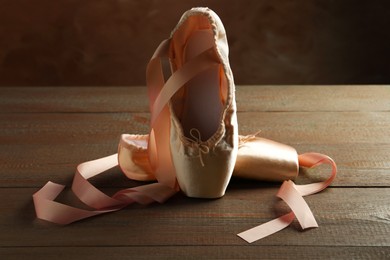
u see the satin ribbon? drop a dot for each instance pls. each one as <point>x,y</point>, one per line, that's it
<point>160,161</point>
<point>293,194</point>
<point>48,209</point>
<point>161,166</point>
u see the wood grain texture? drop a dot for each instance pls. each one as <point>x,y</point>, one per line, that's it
<point>344,215</point>
<point>46,132</point>
<point>198,252</point>
<point>287,127</point>
<point>36,146</point>
<point>134,99</point>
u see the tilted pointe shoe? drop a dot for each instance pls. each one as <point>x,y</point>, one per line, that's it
<point>200,102</point>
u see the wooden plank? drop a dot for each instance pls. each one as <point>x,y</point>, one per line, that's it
<point>286,127</point>
<point>71,128</point>
<point>197,252</point>
<point>318,127</point>
<point>347,217</point>
<point>73,99</point>
<point>314,98</point>
<point>249,98</point>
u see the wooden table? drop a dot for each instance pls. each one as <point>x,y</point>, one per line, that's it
<point>45,132</point>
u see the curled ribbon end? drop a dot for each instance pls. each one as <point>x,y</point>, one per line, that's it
<point>293,196</point>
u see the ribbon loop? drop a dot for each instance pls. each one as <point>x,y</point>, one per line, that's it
<point>48,209</point>
<point>289,194</point>
<point>293,196</point>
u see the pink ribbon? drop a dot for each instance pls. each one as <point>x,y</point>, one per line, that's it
<point>160,160</point>
<point>293,194</point>
<point>48,209</point>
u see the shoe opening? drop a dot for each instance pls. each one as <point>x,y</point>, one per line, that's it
<point>201,102</point>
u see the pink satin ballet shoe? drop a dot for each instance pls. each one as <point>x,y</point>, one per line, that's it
<point>265,160</point>
<point>202,123</point>
<point>204,132</point>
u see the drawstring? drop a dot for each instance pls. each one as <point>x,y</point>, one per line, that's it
<point>196,142</point>
<point>247,138</point>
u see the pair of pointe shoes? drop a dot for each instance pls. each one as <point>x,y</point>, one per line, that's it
<point>194,131</point>
<point>193,144</point>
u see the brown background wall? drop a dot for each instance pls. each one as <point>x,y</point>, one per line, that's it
<point>108,42</point>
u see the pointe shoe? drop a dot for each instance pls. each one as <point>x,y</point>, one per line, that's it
<point>265,160</point>
<point>198,101</point>
<point>204,131</point>
<point>202,134</point>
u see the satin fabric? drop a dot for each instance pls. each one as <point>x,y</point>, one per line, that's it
<point>265,160</point>
<point>258,159</point>
<point>203,164</point>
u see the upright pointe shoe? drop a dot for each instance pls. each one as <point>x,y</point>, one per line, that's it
<point>204,131</point>
<point>198,101</point>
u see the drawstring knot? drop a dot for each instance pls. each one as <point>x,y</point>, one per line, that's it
<point>196,142</point>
